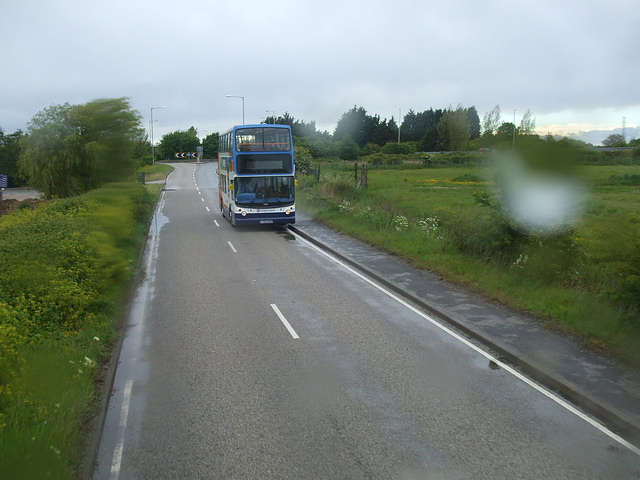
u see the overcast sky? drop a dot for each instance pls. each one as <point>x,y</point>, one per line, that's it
<point>574,64</point>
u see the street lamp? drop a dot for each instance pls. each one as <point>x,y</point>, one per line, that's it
<point>153,152</point>
<point>514,130</point>
<point>238,96</point>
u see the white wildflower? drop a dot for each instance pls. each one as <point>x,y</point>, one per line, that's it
<point>400,223</point>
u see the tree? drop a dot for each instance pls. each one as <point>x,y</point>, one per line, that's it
<point>410,129</point>
<point>298,128</point>
<point>491,122</point>
<point>142,149</point>
<point>357,124</point>
<point>70,150</point>
<point>527,124</point>
<point>9,154</point>
<point>415,125</point>
<point>321,146</point>
<point>210,145</point>
<point>453,130</point>
<point>384,132</point>
<point>506,132</point>
<point>110,127</point>
<point>429,141</point>
<point>614,140</point>
<point>348,148</point>
<point>473,122</point>
<point>179,141</point>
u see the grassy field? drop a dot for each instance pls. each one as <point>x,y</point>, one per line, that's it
<point>581,276</point>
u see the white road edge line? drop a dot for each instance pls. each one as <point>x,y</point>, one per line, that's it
<point>232,247</point>
<point>488,356</point>
<point>119,448</point>
<point>216,222</point>
<point>284,321</point>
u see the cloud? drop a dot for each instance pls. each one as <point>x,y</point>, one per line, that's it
<point>316,60</point>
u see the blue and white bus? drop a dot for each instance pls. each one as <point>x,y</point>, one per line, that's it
<point>256,175</point>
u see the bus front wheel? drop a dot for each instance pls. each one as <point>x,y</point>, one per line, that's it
<point>232,218</point>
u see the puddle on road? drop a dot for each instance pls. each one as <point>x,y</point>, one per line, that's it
<point>286,234</point>
<point>493,365</point>
<point>159,221</point>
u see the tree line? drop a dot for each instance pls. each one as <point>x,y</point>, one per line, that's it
<point>358,133</point>
<point>70,149</point>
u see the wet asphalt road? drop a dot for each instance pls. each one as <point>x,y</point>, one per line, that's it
<point>212,384</point>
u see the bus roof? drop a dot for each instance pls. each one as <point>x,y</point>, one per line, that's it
<point>258,125</point>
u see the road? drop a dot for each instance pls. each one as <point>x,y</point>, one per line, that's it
<point>249,353</point>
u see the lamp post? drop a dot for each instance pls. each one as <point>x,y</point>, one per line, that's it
<point>153,152</point>
<point>238,96</point>
<point>514,131</point>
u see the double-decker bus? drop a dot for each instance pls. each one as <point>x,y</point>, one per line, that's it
<point>256,175</point>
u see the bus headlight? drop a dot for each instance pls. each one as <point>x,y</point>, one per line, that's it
<point>287,212</point>
<point>244,214</point>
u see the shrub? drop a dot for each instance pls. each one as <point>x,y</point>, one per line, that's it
<point>486,235</point>
<point>627,287</point>
<point>141,203</point>
<point>399,148</point>
<point>553,257</point>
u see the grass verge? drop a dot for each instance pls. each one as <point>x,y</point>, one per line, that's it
<point>582,276</point>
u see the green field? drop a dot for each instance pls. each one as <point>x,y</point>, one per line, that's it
<point>581,276</point>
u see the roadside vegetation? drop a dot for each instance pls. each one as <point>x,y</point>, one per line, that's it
<point>67,262</point>
<point>66,266</point>
<point>579,273</point>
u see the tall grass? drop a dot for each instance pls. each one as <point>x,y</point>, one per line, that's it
<point>582,277</point>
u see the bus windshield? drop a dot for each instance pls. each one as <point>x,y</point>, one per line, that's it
<point>263,139</point>
<point>264,191</point>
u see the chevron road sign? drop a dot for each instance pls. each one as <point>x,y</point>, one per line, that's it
<point>187,155</point>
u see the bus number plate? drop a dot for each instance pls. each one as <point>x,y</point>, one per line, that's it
<point>266,221</point>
